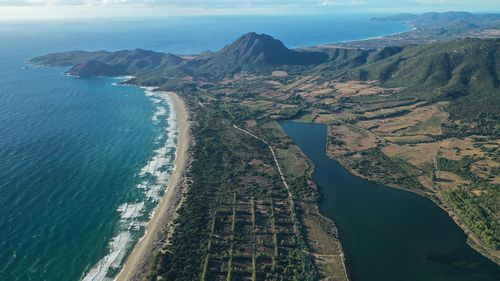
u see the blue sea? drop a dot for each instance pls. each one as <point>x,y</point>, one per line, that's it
<point>83,162</point>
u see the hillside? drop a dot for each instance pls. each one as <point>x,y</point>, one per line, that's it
<point>251,52</point>
<point>466,72</point>
<point>104,63</point>
<point>463,71</point>
<point>257,52</point>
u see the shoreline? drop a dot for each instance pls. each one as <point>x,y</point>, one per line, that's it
<point>137,263</point>
<point>471,238</point>
<point>340,44</point>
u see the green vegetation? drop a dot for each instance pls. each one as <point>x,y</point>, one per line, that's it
<point>462,168</point>
<point>305,117</point>
<point>480,124</point>
<point>480,213</point>
<point>391,171</point>
<point>443,71</point>
<point>236,205</point>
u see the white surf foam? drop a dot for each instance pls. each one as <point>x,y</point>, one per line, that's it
<point>153,180</point>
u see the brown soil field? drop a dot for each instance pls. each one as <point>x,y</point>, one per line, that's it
<point>389,126</point>
<point>408,139</point>
<point>259,104</point>
<point>298,83</point>
<point>329,101</point>
<point>354,139</point>
<point>422,120</point>
<point>274,95</point>
<point>391,110</point>
<point>456,149</point>
<point>479,192</point>
<point>274,83</point>
<point>425,181</point>
<point>447,180</point>
<point>306,86</point>
<point>358,88</point>
<point>483,169</point>
<point>279,73</point>
<point>334,89</point>
<point>251,123</point>
<point>418,155</point>
<point>328,252</point>
<point>325,118</point>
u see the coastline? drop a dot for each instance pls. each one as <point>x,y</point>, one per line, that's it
<point>471,238</point>
<point>137,263</point>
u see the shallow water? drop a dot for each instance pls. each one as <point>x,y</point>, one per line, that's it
<point>388,234</point>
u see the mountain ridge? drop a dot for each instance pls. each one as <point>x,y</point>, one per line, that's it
<point>250,52</point>
<point>464,70</point>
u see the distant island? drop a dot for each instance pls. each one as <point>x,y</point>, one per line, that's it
<point>418,111</point>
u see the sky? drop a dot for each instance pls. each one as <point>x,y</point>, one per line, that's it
<point>34,9</point>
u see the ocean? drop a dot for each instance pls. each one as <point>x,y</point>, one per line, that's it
<point>83,162</point>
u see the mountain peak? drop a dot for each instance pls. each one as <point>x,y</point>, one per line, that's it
<point>263,49</point>
<point>253,46</point>
<point>253,36</point>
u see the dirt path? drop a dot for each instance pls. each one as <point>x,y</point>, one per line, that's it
<point>290,197</point>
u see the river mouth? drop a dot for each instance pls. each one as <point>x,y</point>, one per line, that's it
<point>388,234</point>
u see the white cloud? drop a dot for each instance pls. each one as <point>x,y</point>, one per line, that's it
<point>342,3</point>
<point>253,3</point>
<point>120,8</point>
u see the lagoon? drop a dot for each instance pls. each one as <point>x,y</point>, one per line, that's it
<point>388,234</point>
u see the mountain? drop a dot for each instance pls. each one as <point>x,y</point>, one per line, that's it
<point>466,71</point>
<point>258,52</point>
<point>68,58</point>
<point>253,48</point>
<point>96,68</point>
<point>104,63</point>
<point>255,53</point>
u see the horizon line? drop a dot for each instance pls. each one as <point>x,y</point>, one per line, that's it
<point>238,14</point>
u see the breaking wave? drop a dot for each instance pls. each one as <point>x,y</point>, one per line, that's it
<point>152,181</point>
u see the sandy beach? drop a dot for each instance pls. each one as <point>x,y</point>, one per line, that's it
<point>137,263</point>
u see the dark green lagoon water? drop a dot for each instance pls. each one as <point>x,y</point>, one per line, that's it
<point>388,234</point>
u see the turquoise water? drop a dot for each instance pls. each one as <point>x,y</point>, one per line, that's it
<point>388,234</point>
<point>80,157</point>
